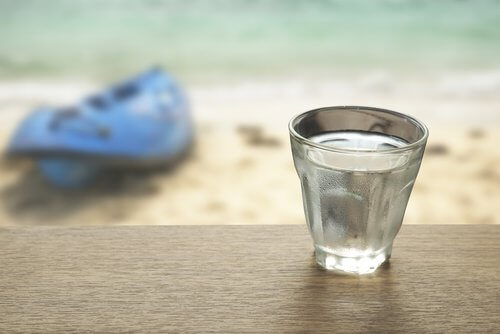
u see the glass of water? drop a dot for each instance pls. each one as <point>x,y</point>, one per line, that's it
<point>357,167</point>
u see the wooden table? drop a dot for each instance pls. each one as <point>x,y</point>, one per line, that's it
<point>441,279</point>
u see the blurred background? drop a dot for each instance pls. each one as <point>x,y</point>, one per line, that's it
<point>248,67</point>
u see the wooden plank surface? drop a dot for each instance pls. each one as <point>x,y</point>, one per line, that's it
<point>441,279</point>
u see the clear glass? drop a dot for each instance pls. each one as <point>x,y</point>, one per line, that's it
<point>357,167</point>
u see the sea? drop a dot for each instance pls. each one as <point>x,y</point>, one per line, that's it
<point>212,40</point>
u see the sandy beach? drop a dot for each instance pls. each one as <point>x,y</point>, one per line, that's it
<point>241,171</point>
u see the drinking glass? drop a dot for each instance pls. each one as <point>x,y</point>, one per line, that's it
<point>357,167</point>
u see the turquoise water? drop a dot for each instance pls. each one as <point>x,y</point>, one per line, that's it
<point>236,38</point>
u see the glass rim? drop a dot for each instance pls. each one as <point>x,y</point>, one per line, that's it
<point>411,146</point>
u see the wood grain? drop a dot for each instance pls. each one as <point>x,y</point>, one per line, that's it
<point>441,279</point>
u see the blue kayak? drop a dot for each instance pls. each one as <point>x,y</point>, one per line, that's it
<point>142,122</point>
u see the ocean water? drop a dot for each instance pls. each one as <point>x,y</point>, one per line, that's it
<point>209,40</point>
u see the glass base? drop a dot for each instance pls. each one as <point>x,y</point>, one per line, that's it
<point>359,265</point>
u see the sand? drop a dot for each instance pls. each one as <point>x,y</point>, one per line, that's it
<point>241,171</point>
